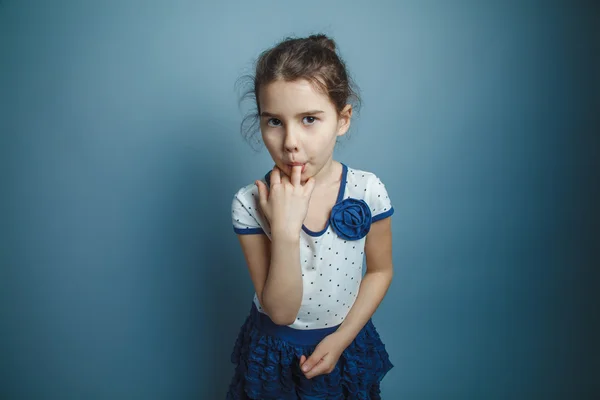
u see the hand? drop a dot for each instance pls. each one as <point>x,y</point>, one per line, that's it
<point>324,358</point>
<point>285,203</point>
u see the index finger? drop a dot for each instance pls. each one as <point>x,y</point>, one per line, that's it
<point>296,175</point>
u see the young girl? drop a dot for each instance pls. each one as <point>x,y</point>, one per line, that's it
<point>304,230</point>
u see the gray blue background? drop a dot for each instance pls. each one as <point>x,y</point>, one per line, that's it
<point>120,274</point>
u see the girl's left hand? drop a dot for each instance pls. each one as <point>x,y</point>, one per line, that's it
<point>324,358</point>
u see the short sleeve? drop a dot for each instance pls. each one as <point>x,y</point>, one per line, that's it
<point>243,213</point>
<point>379,200</point>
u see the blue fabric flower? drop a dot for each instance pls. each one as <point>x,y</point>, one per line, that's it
<point>351,219</point>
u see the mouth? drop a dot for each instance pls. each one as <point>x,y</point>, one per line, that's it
<point>295,164</point>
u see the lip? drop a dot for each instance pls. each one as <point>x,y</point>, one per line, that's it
<point>295,164</point>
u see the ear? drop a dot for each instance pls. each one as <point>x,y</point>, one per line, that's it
<point>344,120</point>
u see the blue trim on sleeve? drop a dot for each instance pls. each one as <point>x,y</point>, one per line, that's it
<point>248,231</point>
<point>383,215</point>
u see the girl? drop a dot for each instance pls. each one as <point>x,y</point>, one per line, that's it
<point>304,230</point>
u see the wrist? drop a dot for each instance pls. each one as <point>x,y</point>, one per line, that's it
<point>343,337</point>
<point>285,234</point>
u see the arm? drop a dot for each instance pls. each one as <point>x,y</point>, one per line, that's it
<point>378,248</point>
<point>275,267</point>
<point>374,286</point>
<point>275,271</point>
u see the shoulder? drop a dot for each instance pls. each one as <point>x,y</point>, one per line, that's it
<point>361,175</point>
<point>246,193</point>
<point>366,185</point>
<point>246,198</point>
<point>245,211</point>
<point>249,192</point>
<point>361,180</point>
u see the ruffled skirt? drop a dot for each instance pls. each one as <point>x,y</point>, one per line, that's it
<point>267,360</point>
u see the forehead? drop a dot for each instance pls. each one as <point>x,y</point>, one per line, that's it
<point>291,97</point>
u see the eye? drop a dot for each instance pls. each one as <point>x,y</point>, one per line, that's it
<point>309,120</point>
<point>274,122</point>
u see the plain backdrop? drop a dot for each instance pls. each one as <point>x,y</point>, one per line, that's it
<point>120,151</point>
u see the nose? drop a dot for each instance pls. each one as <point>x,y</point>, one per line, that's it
<point>291,141</point>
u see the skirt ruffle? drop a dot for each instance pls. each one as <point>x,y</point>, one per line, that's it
<point>267,368</point>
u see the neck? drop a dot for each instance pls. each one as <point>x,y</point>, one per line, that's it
<point>328,174</point>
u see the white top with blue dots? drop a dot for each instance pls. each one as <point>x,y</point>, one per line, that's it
<point>332,267</point>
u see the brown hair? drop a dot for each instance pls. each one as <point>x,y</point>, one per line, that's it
<point>313,58</point>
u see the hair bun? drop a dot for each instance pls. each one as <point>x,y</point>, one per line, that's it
<point>323,41</point>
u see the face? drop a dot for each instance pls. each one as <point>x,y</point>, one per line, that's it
<point>300,125</point>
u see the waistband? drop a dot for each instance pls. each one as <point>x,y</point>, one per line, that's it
<point>292,335</point>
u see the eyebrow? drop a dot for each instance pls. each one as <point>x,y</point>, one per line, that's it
<point>311,112</point>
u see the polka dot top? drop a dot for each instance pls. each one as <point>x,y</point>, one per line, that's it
<point>332,259</point>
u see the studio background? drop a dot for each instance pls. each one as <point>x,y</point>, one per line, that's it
<point>120,151</point>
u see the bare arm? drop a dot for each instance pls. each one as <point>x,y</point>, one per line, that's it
<point>377,279</point>
<point>283,287</point>
<point>276,274</point>
<point>275,267</point>
<point>373,288</point>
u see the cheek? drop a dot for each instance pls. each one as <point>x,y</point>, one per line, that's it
<point>272,143</point>
<point>268,138</point>
<point>321,149</point>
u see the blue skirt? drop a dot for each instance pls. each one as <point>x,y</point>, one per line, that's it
<point>267,359</point>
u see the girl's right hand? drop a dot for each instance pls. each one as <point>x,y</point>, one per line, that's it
<point>285,203</point>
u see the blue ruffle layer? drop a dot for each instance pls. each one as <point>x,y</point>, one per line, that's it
<point>267,368</point>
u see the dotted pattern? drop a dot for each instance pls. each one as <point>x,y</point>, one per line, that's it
<point>332,267</point>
